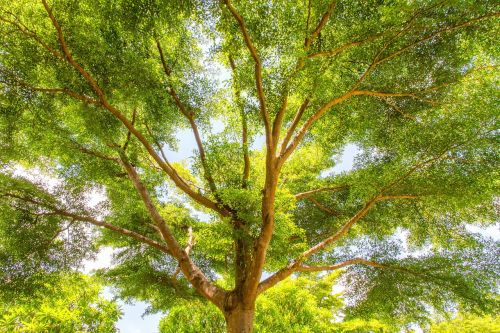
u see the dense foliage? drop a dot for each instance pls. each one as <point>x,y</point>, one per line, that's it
<point>95,93</point>
<point>69,303</point>
<point>468,324</point>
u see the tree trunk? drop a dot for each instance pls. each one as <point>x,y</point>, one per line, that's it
<point>240,320</point>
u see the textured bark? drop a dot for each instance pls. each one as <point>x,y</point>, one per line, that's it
<point>240,320</point>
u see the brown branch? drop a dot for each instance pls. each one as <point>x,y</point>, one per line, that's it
<point>350,223</point>
<point>244,131</point>
<point>377,60</point>
<point>258,72</point>
<point>293,126</point>
<point>309,40</point>
<point>342,48</point>
<point>188,248</point>
<point>295,264</point>
<point>417,167</point>
<point>307,194</point>
<point>190,116</point>
<point>361,261</point>
<point>395,107</point>
<point>437,33</point>
<point>167,168</point>
<point>190,270</point>
<point>325,107</point>
<point>322,23</point>
<point>32,34</point>
<point>278,120</point>
<point>298,137</point>
<point>355,261</point>
<point>95,153</point>
<point>65,91</point>
<point>91,220</point>
<point>323,208</point>
<point>129,134</point>
<point>405,29</point>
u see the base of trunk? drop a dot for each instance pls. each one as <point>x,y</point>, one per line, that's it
<point>240,320</point>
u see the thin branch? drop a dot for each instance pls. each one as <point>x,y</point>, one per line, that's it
<point>324,108</point>
<point>244,130</point>
<point>91,220</point>
<point>65,91</point>
<point>437,33</point>
<point>355,261</point>
<point>258,72</point>
<point>309,40</point>
<point>298,137</point>
<point>32,34</point>
<point>293,126</point>
<point>295,264</point>
<point>95,153</point>
<point>342,48</point>
<point>323,208</point>
<point>190,116</point>
<point>361,261</point>
<point>129,134</point>
<point>395,107</point>
<point>307,194</point>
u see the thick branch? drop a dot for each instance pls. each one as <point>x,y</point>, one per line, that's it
<point>188,268</point>
<point>322,23</point>
<point>188,248</point>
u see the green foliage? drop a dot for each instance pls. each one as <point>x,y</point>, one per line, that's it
<point>468,324</point>
<point>412,84</point>
<point>72,304</point>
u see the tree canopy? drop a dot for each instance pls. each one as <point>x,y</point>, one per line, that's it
<point>65,303</point>
<point>95,93</point>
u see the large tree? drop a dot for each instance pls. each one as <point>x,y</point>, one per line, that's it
<point>94,92</point>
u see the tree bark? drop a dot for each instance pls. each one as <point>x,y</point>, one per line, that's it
<point>240,320</point>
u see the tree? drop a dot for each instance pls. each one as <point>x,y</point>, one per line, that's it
<point>94,92</point>
<point>467,323</point>
<point>304,304</point>
<point>70,303</point>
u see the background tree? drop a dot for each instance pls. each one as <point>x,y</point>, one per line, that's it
<point>94,92</point>
<point>65,303</point>
<point>467,323</point>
